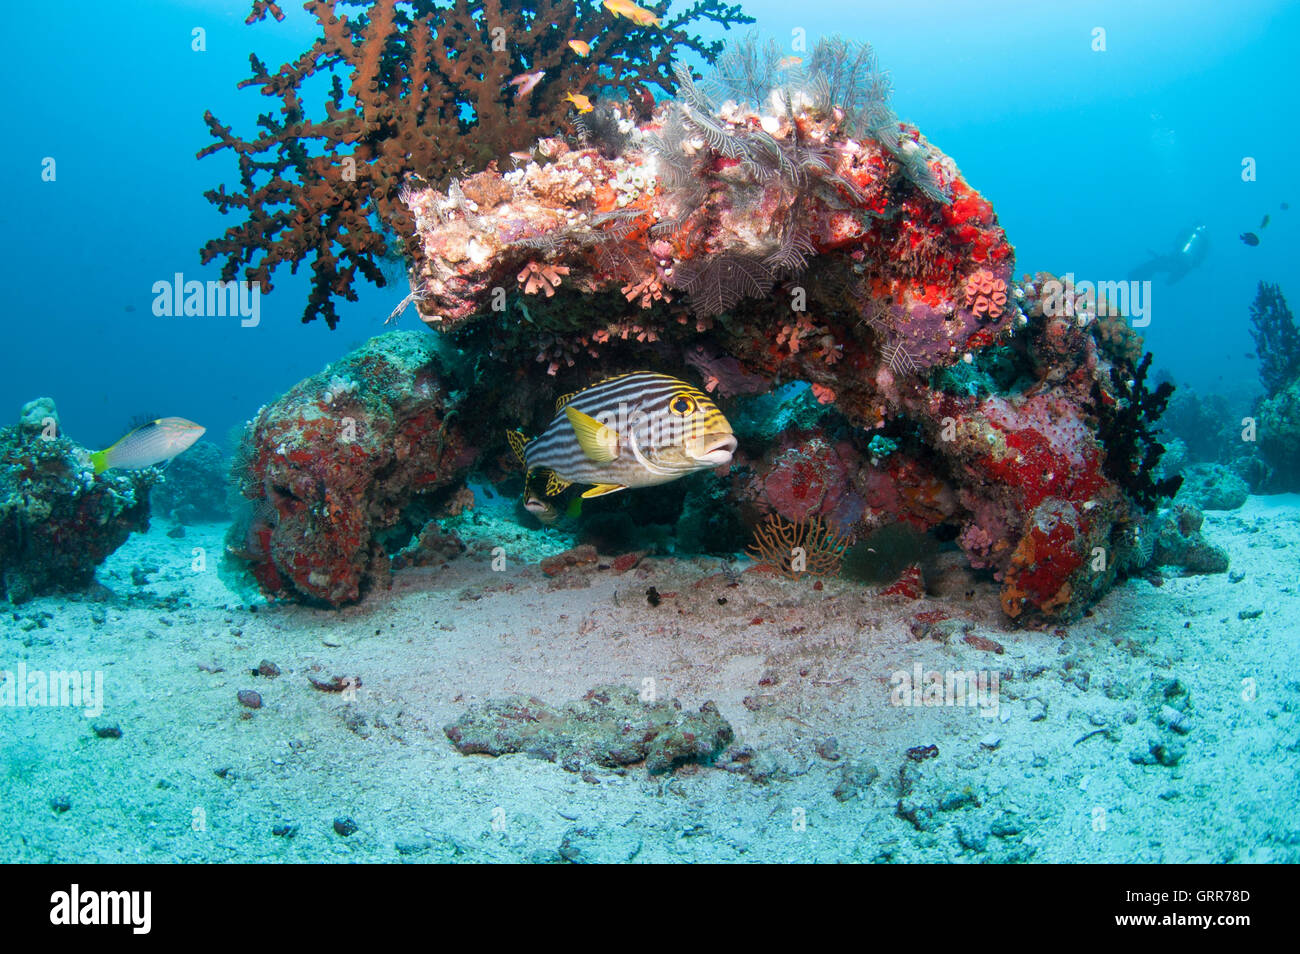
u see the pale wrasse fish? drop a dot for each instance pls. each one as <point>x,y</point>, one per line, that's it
<point>633,430</point>
<point>154,443</point>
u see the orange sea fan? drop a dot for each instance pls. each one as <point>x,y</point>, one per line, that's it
<point>810,546</point>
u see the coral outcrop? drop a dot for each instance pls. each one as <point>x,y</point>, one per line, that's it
<point>345,470</point>
<point>1279,437</point>
<point>414,88</point>
<point>783,237</point>
<point>1212,487</point>
<point>194,487</point>
<point>1277,342</point>
<point>59,520</point>
<point>778,224</point>
<point>1277,339</point>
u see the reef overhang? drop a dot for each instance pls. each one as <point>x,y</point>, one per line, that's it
<point>802,233</point>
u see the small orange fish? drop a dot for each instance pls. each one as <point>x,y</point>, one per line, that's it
<point>786,62</point>
<point>629,10</point>
<point>581,47</point>
<point>581,103</point>
<point>527,82</point>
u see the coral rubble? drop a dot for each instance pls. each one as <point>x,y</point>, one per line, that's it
<point>59,520</point>
<point>610,727</point>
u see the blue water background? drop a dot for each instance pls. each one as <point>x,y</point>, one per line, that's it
<point>1090,158</point>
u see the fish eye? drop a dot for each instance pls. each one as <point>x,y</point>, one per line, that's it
<point>682,405</point>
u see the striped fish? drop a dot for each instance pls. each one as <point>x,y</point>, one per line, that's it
<point>154,443</point>
<point>632,430</point>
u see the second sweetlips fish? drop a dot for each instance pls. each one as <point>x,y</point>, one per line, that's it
<point>633,430</point>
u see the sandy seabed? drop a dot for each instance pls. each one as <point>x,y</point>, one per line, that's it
<point>1076,760</point>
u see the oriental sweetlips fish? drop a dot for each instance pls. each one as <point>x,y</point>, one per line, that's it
<point>632,430</point>
<point>155,443</point>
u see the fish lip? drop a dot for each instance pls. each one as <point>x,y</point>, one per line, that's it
<point>719,449</point>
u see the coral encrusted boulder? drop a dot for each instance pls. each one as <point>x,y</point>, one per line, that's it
<point>341,471</point>
<point>59,520</point>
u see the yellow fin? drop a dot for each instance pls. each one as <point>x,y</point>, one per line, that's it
<point>555,485</point>
<point>601,489</point>
<point>598,442</point>
<point>564,399</point>
<point>517,441</point>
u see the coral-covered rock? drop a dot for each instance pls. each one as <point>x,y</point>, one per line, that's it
<point>433,546</point>
<point>611,726</point>
<point>343,470</point>
<point>970,401</point>
<point>1033,457</point>
<point>811,477</point>
<point>1212,487</point>
<point>195,487</point>
<point>579,556</point>
<point>1178,542</point>
<point>413,93</point>
<point>755,238</point>
<point>1279,437</point>
<point>59,520</point>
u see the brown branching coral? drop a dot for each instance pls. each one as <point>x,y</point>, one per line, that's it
<point>803,546</point>
<point>261,8</point>
<point>418,88</point>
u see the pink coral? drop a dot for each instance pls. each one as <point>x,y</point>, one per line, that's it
<point>649,289</point>
<point>986,294</point>
<point>823,394</point>
<point>537,277</point>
